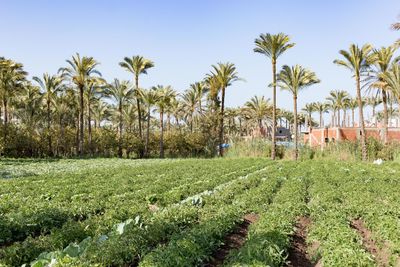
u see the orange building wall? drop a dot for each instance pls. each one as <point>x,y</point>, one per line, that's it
<point>318,135</point>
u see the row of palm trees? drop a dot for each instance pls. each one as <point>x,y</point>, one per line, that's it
<point>77,95</point>
<point>340,102</point>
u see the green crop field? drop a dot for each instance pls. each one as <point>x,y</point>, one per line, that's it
<point>115,212</point>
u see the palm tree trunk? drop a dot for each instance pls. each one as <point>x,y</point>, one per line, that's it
<point>344,117</point>
<point>361,118</point>
<point>62,134</point>
<point>273,148</point>
<point>80,138</point>
<point>295,127</point>
<point>338,118</point>
<point>385,118</point>
<point>352,117</point>
<point>320,120</point>
<point>221,129</point>
<point>48,128</point>
<point>90,128</point>
<point>162,134</point>
<point>5,107</point>
<point>120,130</point>
<point>138,106</point>
<point>146,146</point>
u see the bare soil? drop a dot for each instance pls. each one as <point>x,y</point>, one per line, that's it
<point>298,256</point>
<point>382,255</point>
<point>234,240</point>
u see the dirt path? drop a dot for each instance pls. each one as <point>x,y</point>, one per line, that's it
<point>381,256</point>
<point>234,240</point>
<point>298,256</point>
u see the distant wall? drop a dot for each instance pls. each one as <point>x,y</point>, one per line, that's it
<point>318,136</point>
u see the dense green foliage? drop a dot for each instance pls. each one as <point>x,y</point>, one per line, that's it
<point>113,212</point>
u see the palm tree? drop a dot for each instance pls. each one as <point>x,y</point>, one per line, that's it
<point>338,99</point>
<point>225,74</point>
<point>101,111</point>
<point>358,61</point>
<point>352,105</point>
<point>199,89</point>
<point>190,101</point>
<point>164,96</point>
<point>149,98</point>
<point>374,101</point>
<point>392,79</point>
<point>137,65</point>
<point>309,109</point>
<point>121,92</point>
<point>93,93</point>
<point>177,109</point>
<point>50,85</point>
<point>294,79</point>
<point>12,77</point>
<point>80,72</point>
<point>321,108</point>
<point>258,109</point>
<point>383,58</point>
<point>273,46</point>
<point>213,89</point>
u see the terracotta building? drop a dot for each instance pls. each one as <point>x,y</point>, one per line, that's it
<point>322,136</point>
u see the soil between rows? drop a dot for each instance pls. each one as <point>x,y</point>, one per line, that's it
<point>234,240</point>
<point>298,256</point>
<point>381,255</point>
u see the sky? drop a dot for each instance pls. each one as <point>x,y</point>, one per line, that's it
<point>184,38</point>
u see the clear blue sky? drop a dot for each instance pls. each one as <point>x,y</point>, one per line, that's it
<point>184,38</point>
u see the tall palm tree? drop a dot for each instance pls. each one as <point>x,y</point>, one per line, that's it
<point>122,93</point>
<point>164,96</point>
<point>309,109</point>
<point>338,99</point>
<point>177,109</point>
<point>93,93</point>
<point>321,108</point>
<point>137,65</point>
<point>100,112</point>
<point>258,109</point>
<point>392,79</point>
<point>50,85</point>
<point>149,98</point>
<point>80,71</point>
<point>190,100</point>
<point>273,46</point>
<point>225,74</point>
<point>294,79</point>
<point>199,89</point>
<point>12,76</point>
<point>353,104</point>
<point>358,61</point>
<point>213,89</point>
<point>383,58</point>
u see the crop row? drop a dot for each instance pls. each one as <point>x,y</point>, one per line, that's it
<point>121,208</point>
<point>33,214</point>
<point>269,238</point>
<point>135,242</point>
<point>334,241</point>
<point>371,195</point>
